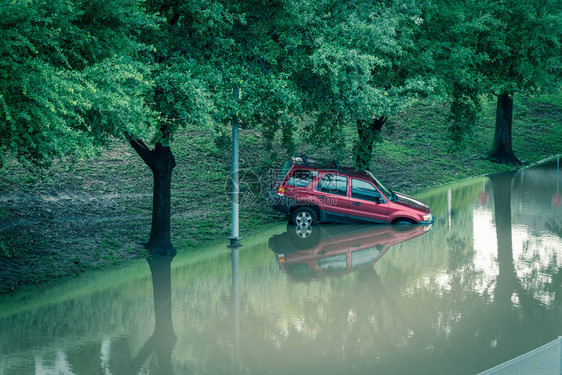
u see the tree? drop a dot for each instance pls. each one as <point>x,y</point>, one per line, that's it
<point>179,98</point>
<point>524,45</point>
<point>76,74</point>
<point>361,69</point>
<point>493,47</point>
<point>202,50</point>
<point>449,59</point>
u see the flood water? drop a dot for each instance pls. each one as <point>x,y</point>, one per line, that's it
<point>480,286</point>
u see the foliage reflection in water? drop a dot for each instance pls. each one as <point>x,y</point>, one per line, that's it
<point>479,288</point>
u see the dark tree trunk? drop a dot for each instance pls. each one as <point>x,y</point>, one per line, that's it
<point>162,173</point>
<point>502,151</point>
<point>161,162</point>
<point>368,133</point>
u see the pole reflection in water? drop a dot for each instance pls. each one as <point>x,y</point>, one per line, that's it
<point>235,259</point>
<point>449,223</point>
<point>556,198</point>
<point>163,339</point>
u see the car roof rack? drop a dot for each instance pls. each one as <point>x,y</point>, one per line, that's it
<point>318,163</point>
<point>305,160</point>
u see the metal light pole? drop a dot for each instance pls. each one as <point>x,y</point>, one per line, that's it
<point>234,219</point>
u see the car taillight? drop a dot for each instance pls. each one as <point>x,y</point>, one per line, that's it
<point>281,190</point>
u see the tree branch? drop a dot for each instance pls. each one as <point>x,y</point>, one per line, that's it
<point>144,152</point>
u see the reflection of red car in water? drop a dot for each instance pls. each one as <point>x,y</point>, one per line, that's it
<point>327,250</point>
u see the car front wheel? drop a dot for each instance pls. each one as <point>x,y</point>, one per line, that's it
<point>304,217</point>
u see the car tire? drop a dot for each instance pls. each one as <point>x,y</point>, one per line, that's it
<point>402,222</point>
<point>403,225</point>
<point>303,216</point>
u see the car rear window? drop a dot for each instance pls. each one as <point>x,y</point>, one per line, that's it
<point>301,178</point>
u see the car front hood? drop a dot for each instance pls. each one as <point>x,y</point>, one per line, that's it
<point>405,200</point>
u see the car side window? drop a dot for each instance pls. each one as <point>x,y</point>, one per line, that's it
<point>333,184</point>
<point>364,190</point>
<point>362,257</point>
<point>302,177</point>
<point>333,263</point>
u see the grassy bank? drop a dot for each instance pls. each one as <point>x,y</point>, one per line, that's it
<point>92,214</point>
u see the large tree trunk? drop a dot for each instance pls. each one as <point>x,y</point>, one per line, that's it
<point>161,161</point>
<point>501,149</point>
<point>368,133</point>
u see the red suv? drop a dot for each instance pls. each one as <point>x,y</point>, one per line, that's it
<point>311,190</point>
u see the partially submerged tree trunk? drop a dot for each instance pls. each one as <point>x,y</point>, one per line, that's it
<point>502,151</point>
<point>369,133</point>
<point>161,162</point>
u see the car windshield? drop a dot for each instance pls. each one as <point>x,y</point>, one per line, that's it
<point>386,191</point>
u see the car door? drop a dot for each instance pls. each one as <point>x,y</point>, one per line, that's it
<point>331,197</point>
<point>367,204</point>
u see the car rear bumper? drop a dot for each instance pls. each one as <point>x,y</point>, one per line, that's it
<point>280,202</point>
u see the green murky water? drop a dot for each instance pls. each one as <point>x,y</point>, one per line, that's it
<point>479,287</point>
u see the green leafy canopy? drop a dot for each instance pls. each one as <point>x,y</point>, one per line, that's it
<point>71,73</point>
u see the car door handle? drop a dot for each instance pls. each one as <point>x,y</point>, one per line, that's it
<point>321,197</point>
<point>357,203</point>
